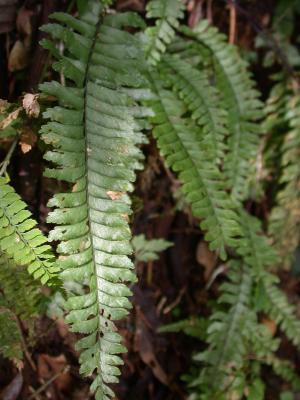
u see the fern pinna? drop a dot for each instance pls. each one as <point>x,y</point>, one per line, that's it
<point>94,133</point>
<point>19,237</point>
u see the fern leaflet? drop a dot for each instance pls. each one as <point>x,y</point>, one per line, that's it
<point>20,239</point>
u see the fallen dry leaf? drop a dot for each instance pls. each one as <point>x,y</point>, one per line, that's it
<point>49,366</point>
<point>114,195</point>
<point>31,105</point>
<point>206,258</point>
<point>143,344</point>
<point>270,324</point>
<point>18,57</point>
<point>10,118</point>
<point>27,140</point>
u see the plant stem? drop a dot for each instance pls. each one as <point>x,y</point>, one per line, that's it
<point>6,160</point>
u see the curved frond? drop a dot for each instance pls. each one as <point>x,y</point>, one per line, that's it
<point>284,223</point>
<point>94,133</point>
<point>225,355</point>
<point>201,99</point>
<point>19,237</point>
<point>258,254</point>
<point>194,160</point>
<point>239,99</point>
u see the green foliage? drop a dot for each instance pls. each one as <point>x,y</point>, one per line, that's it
<point>20,297</point>
<point>147,250</point>
<point>10,337</point>
<point>19,292</point>
<point>189,154</point>
<point>283,116</point>
<point>239,99</point>
<point>224,357</point>
<point>206,117</point>
<point>20,239</point>
<point>167,13</point>
<point>94,133</point>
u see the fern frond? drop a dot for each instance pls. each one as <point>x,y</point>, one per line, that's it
<point>94,133</point>
<point>167,13</point>
<point>280,310</point>
<point>201,99</point>
<point>10,336</point>
<point>284,224</point>
<point>260,256</point>
<point>19,292</point>
<point>264,346</point>
<point>19,237</point>
<point>194,160</point>
<point>227,348</point>
<point>239,99</point>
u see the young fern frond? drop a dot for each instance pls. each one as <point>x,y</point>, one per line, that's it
<point>19,237</point>
<point>201,99</point>
<point>239,99</point>
<point>225,355</point>
<point>167,13</point>
<point>193,158</point>
<point>94,134</point>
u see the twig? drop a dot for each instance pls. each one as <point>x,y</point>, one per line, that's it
<point>6,160</point>
<point>24,344</point>
<point>47,383</point>
<point>232,25</point>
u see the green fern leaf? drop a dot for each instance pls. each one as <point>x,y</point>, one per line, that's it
<point>94,133</point>
<point>240,99</point>
<point>10,336</point>
<point>284,224</point>
<point>201,99</point>
<point>227,347</point>
<point>20,239</point>
<point>260,256</point>
<point>187,153</point>
<point>19,292</point>
<point>167,14</point>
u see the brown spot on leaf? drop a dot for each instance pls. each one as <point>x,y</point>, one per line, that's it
<point>114,195</point>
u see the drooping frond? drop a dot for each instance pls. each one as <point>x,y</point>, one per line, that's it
<point>19,292</point>
<point>167,13</point>
<point>19,237</point>
<point>10,336</point>
<point>225,355</point>
<point>239,98</point>
<point>187,153</point>
<point>201,99</point>
<point>94,133</point>
<point>284,224</point>
<point>260,256</point>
